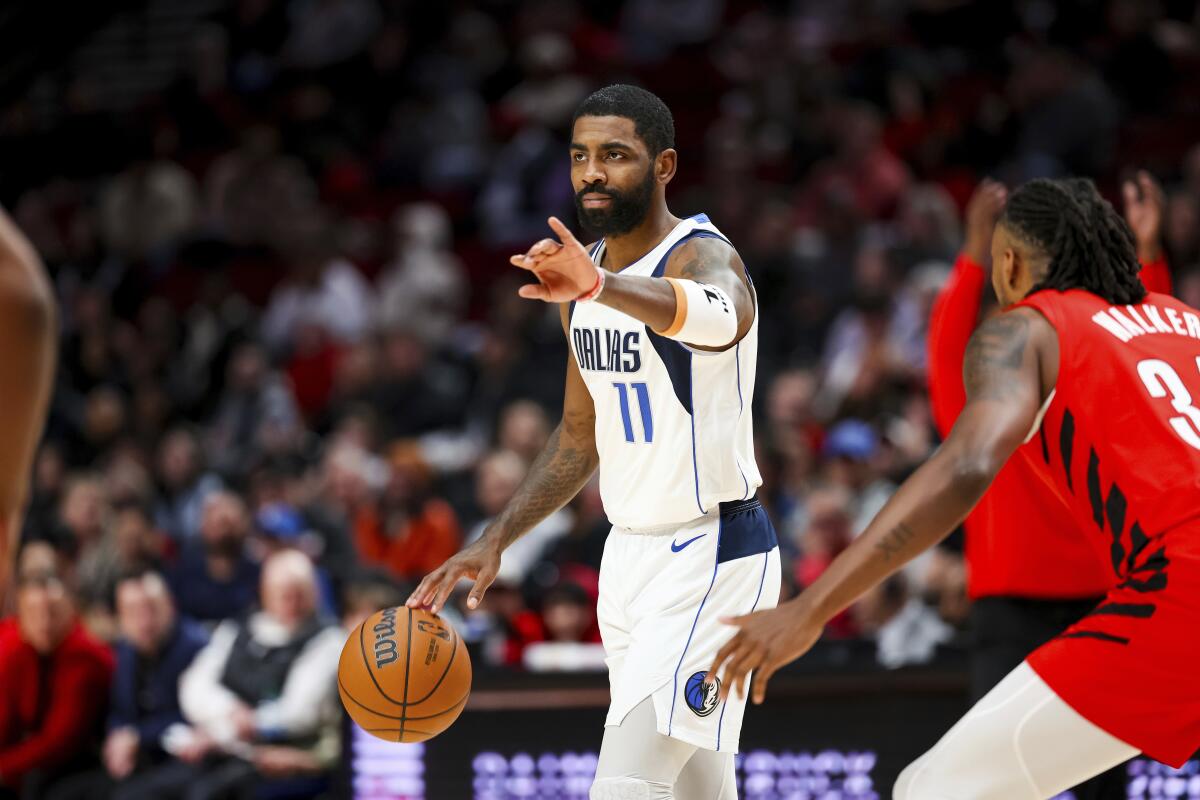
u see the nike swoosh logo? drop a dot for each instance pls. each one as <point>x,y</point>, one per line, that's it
<point>675,548</point>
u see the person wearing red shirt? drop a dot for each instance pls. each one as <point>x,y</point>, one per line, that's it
<point>1107,372</point>
<point>54,681</point>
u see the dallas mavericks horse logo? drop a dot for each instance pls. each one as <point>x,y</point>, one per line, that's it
<point>701,697</point>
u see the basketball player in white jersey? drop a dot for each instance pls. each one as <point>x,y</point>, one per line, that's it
<point>661,320</point>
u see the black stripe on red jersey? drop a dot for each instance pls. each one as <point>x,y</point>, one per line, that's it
<point>1066,445</point>
<point>1138,541</point>
<point>1125,562</point>
<point>1139,610</point>
<point>1045,447</point>
<point>1093,483</point>
<point>1156,565</point>
<point>1104,637</point>
<point>1114,508</point>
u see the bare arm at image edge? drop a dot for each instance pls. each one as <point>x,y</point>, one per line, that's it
<point>28,328</point>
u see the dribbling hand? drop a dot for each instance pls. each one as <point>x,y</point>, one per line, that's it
<point>564,271</point>
<point>765,641</point>
<point>478,561</point>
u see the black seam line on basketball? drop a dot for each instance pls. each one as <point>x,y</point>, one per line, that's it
<point>398,740</point>
<point>1139,610</point>
<point>362,629</point>
<point>1104,637</point>
<point>393,716</point>
<point>365,707</point>
<point>407,670</point>
<point>445,672</point>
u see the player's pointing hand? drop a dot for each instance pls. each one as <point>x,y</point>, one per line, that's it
<point>564,271</point>
<point>765,641</point>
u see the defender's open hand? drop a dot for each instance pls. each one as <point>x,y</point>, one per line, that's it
<point>765,641</point>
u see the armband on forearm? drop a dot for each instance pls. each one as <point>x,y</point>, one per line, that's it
<point>704,314</point>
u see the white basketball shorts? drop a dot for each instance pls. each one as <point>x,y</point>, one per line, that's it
<point>661,596</point>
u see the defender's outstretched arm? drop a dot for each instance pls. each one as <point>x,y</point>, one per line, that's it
<point>1011,364</point>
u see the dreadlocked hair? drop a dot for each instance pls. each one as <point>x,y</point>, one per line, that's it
<point>1088,244</point>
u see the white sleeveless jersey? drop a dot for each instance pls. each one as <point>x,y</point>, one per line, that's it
<point>673,425</point>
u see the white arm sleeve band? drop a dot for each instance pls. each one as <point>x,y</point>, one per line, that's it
<point>704,315</point>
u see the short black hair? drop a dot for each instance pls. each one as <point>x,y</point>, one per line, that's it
<point>652,120</point>
<point>1087,242</point>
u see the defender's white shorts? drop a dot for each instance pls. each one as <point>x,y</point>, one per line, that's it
<point>661,595</point>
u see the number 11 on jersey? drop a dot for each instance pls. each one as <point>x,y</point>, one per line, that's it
<point>643,397</point>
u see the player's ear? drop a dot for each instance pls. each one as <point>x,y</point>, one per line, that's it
<point>665,164</point>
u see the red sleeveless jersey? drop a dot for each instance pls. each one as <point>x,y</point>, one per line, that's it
<point>1122,434</point>
<point>1120,442</point>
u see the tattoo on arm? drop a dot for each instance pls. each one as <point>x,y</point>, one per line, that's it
<point>994,356</point>
<point>557,475</point>
<point>894,541</point>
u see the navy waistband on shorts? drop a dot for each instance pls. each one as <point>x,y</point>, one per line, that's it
<point>746,530</point>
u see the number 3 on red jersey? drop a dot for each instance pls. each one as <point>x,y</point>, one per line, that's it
<point>1160,379</point>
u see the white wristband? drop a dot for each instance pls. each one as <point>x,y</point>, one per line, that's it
<point>704,315</point>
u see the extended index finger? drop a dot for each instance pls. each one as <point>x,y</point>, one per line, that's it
<point>563,232</point>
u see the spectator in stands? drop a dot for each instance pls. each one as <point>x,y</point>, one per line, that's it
<point>369,591</point>
<point>524,429</point>
<point>138,544</point>
<point>54,679</point>
<point>147,208</point>
<point>905,630</point>
<point>425,286</point>
<point>155,647</point>
<point>410,530</point>
<point>850,449</point>
<point>323,291</point>
<point>215,578</point>
<point>85,519</point>
<point>261,699</point>
<point>131,544</point>
<point>257,413</point>
<point>185,484</point>
<point>569,614</point>
<point>279,527</point>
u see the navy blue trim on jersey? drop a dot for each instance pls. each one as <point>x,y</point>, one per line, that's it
<point>695,469</point>
<point>692,632</point>
<point>571,306</point>
<point>661,267</point>
<point>678,361</point>
<point>747,530</point>
<point>737,362</point>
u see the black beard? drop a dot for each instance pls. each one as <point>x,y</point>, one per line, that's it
<point>626,212</point>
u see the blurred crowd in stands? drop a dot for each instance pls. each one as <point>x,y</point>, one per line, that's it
<point>295,374</point>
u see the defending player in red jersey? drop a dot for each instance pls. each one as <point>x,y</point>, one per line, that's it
<point>1110,376</point>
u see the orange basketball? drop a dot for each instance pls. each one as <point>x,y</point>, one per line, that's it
<point>404,675</point>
